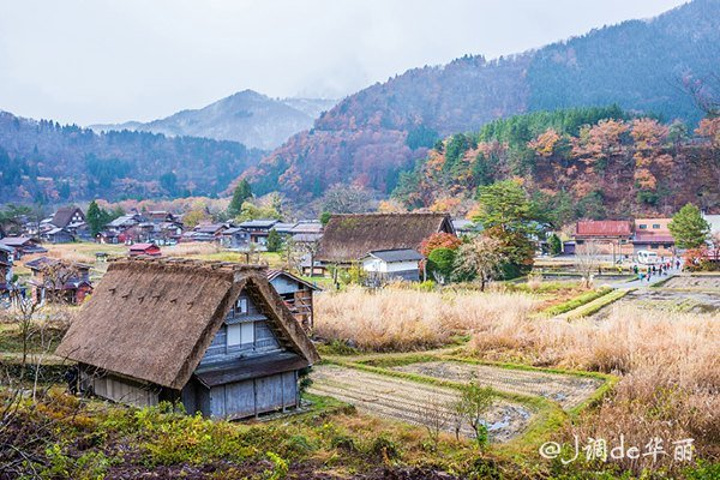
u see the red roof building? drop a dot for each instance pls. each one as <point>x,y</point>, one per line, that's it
<point>603,229</point>
<point>149,249</point>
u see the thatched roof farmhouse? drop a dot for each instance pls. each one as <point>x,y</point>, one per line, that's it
<point>347,238</point>
<point>215,336</point>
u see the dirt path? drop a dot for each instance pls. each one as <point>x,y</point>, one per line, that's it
<point>568,390</point>
<point>409,401</point>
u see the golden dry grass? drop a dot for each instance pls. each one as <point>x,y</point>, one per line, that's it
<point>403,319</point>
<point>669,367</point>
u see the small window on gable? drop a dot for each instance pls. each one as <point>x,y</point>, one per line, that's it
<point>643,226</point>
<point>241,306</point>
<point>656,226</point>
<point>240,334</point>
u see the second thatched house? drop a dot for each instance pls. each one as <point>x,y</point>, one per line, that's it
<point>348,239</point>
<point>216,337</point>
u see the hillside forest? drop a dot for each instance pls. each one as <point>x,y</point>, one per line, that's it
<point>579,163</point>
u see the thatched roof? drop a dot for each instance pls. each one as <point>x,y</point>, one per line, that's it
<point>63,217</point>
<point>153,319</point>
<point>347,238</point>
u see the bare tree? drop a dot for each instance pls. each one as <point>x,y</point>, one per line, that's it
<point>434,415</point>
<point>587,261</point>
<point>291,254</point>
<point>705,92</point>
<point>481,258</point>
<point>341,198</point>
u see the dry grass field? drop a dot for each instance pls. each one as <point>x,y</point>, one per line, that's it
<point>402,319</point>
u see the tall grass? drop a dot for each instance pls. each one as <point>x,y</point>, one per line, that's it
<point>402,319</point>
<point>669,367</point>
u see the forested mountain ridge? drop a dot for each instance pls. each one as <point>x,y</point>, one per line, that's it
<point>248,117</point>
<point>44,161</point>
<point>373,135</point>
<point>579,163</point>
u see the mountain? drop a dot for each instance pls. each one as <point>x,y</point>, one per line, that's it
<point>247,117</point>
<point>577,163</point>
<point>370,137</point>
<point>44,161</point>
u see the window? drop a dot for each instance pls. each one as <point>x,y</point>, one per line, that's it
<point>241,305</point>
<point>240,334</point>
<point>643,226</point>
<point>656,226</point>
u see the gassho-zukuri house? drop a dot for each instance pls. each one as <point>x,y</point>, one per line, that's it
<point>382,243</point>
<point>214,336</point>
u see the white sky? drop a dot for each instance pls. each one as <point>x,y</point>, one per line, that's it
<point>93,61</point>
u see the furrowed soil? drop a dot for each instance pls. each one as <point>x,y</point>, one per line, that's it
<point>709,282</point>
<point>411,402</point>
<point>691,300</point>
<point>568,390</point>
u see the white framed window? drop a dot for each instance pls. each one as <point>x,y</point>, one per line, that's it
<point>241,305</point>
<point>234,335</point>
<point>240,334</point>
<point>247,334</point>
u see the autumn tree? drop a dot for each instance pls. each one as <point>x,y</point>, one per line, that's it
<point>439,240</point>
<point>688,227</point>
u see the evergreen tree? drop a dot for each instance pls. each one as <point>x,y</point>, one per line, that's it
<point>242,192</point>
<point>97,218</point>
<point>689,228</point>
<point>510,217</point>
<point>555,244</point>
<point>274,241</point>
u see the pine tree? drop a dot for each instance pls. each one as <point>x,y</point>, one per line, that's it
<point>242,192</point>
<point>689,228</point>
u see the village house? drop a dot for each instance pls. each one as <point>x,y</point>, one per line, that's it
<point>23,246</point>
<point>297,295</point>
<point>258,230</point>
<point>347,239</point>
<point>654,235</point>
<point>403,264</point>
<point>206,232</point>
<point>609,237</point>
<point>148,249</point>
<point>235,238</point>
<point>124,229</point>
<point>56,280</point>
<point>6,264</point>
<point>213,336</point>
<point>307,231</point>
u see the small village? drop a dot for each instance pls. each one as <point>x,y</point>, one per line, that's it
<point>267,320</point>
<point>321,240</point>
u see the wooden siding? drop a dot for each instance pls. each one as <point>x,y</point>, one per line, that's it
<point>253,397</point>
<point>264,340</point>
<point>122,390</point>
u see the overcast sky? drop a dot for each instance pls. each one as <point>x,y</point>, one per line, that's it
<point>91,61</point>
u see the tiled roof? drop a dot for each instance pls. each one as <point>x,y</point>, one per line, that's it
<point>604,228</point>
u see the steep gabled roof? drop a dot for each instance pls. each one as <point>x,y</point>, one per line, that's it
<point>347,238</point>
<point>64,216</point>
<point>273,274</point>
<point>153,319</point>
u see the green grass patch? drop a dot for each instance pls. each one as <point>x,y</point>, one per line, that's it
<point>598,304</point>
<point>576,302</point>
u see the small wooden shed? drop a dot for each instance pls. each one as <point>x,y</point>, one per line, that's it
<point>214,336</point>
<point>297,294</point>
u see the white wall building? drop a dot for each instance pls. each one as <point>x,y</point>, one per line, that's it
<point>403,264</point>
